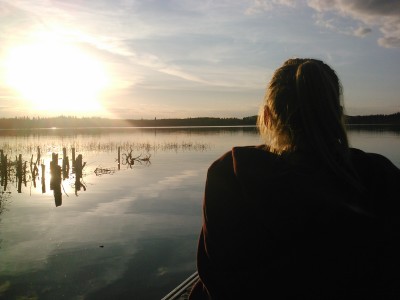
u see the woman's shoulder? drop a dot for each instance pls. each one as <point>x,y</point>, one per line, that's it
<point>242,153</point>
<point>244,150</point>
<point>243,159</point>
<point>381,178</point>
<point>372,161</point>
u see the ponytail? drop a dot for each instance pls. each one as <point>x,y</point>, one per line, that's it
<point>320,109</point>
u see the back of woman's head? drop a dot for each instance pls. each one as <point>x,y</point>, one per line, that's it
<point>302,112</point>
<point>302,108</point>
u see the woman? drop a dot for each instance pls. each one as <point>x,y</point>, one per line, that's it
<point>303,216</point>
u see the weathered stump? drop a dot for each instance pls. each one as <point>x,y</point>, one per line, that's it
<point>65,164</point>
<point>78,173</point>
<point>4,169</point>
<point>19,173</point>
<point>119,158</point>
<point>55,180</point>
<point>43,179</point>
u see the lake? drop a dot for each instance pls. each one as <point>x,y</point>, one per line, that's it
<point>109,230</point>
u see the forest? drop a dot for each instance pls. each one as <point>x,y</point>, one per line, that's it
<point>85,122</point>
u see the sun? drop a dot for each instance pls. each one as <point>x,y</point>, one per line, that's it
<point>56,77</point>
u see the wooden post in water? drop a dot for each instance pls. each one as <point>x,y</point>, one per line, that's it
<point>4,168</point>
<point>55,170</point>
<point>19,165</point>
<point>34,173</point>
<point>55,180</point>
<point>78,167</point>
<point>43,178</point>
<point>5,172</point>
<point>65,164</point>
<point>78,173</point>
<point>19,172</point>
<point>119,158</point>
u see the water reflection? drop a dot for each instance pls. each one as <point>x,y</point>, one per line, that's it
<point>101,131</point>
<point>72,172</point>
<point>145,215</point>
<point>17,172</point>
<point>4,198</point>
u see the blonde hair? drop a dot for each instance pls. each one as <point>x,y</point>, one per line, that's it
<point>303,111</point>
<point>303,103</point>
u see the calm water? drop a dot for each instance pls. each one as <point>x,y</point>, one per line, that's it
<point>118,232</point>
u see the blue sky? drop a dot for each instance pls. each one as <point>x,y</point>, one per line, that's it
<point>188,58</point>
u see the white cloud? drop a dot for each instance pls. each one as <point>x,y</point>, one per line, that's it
<point>259,6</point>
<point>384,14</point>
<point>391,33</point>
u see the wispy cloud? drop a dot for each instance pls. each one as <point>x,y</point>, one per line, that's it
<point>384,14</point>
<point>260,6</point>
<point>340,24</point>
<point>115,28</point>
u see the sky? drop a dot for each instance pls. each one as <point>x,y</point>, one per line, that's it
<point>188,58</point>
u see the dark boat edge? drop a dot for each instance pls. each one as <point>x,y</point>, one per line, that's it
<point>182,290</point>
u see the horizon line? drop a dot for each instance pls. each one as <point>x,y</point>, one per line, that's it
<point>164,118</point>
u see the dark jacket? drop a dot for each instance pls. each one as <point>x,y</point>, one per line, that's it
<point>283,227</point>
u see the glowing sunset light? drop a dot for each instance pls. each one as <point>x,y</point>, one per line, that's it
<point>134,59</point>
<point>56,77</point>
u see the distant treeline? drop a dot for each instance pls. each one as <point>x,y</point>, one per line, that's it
<point>74,122</point>
<point>393,119</point>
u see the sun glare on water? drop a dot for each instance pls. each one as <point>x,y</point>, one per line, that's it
<point>56,77</point>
